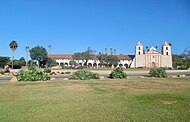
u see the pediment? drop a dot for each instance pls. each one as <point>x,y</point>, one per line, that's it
<point>152,52</point>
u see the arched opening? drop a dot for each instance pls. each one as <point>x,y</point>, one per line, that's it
<point>80,64</point>
<point>66,64</point>
<point>126,65</point>
<point>62,65</point>
<point>120,65</point>
<point>89,64</point>
<point>95,65</point>
<point>153,64</point>
<point>85,64</point>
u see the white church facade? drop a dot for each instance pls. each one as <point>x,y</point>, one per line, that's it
<point>152,57</point>
<point>147,59</point>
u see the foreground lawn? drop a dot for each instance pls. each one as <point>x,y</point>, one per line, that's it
<point>151,100</point>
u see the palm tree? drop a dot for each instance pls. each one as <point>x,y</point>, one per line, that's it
<point>114,51</point>
<point>111,51</point>
<point>27,49</point>
<point>13,45</point>
<point>106,51</point>
<point>49,48</point>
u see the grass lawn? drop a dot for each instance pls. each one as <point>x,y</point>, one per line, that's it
<point>150,100</point>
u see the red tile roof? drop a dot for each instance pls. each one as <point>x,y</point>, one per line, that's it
<point>139,44</point>
<point>123,57</point>
<point>166,44</point>
<point>60,56</point>
<point>69,56</point>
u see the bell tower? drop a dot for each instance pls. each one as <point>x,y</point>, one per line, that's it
<point>166,49</point>
<point>139,49</point>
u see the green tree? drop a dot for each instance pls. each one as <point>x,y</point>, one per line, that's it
<point>4,61</point>
<point>103,59</point>
<point>50,62</point>
<point>186,56</point>
<point>112,60</point>
<point>39,54</point>
<point>77,56</point>
<point>22,61</point>
<point>177,60</point>
<point>87,55</point>
<point>72,62</point>
<point>16,65</point>
<point>13,45</point>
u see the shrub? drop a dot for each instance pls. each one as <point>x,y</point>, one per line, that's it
<point>118,73</point>
<point>47,70</point>
<point>95,76</point>
<point>84,75</point>
<point>158,72</point>
<point>2,72</point>
<point>32,75</point>
<point>33,68</point>
<point>183,67</point>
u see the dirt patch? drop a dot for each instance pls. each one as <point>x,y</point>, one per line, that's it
<point>168,102</point>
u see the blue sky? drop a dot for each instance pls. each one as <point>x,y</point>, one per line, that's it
<point>73,25</point>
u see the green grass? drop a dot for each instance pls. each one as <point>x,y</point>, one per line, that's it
<point>150,100</point>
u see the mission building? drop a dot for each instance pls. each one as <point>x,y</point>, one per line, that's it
<point>148,59</point>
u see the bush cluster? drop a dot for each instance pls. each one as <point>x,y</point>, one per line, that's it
<point>183,67</point>
<point>158,72</point>
<point>118,73</point>
<point>32,75</point>
<point>33,68</point>
<point>84,75</point>
<point>1,72</point>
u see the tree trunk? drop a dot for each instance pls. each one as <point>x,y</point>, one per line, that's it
<point>12,58</point>
<point>26,58</point>
<point>39,64</point>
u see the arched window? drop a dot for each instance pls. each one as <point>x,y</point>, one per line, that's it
<point>139,52</point>
<point>166,48</point>
<point>139,48</point>
<point>166,53</point>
